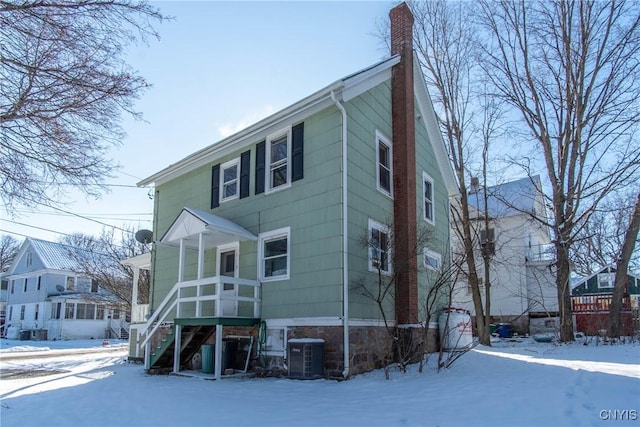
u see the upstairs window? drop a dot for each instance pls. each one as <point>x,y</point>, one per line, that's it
<point>39,282</point>
<point>379,248</point>
<point>71,283</point>
<point>488,241</point>
<point>278,155</point>
<point>427,198</point>
<point>384,161</point>
<point>274,248</point>
<point>26,282</point>
<point>22,309</point>
<point>229,176</point>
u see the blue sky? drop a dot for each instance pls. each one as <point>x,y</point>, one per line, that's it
<point>219,67</point>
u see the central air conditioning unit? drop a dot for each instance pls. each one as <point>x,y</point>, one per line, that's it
<point>306,358</point>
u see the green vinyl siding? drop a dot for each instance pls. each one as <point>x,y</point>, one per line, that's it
<point>311,207</point>
<point>438,233</point>
<point>367,113</point>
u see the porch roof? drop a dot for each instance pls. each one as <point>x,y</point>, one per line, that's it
<point>216,230</point>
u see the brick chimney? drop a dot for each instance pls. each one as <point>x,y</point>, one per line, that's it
<point>404,166</point>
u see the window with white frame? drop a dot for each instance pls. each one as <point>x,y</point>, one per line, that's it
<point>379,248</point>
<point>86,311</point>
<point>22,310</point>
<point>71,283</point>
<point>274,250</point>
<point>69,310</point>
<point>229,178</point>
<point>606,280</point>
<point>384,162</point>
<point>432,260</point>
<point>427,198</point>
<point>278,154</point>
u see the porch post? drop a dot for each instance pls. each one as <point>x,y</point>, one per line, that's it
<point>134,295</point>
<point>181,262</point>
<point>176,350</point>
<point>218,353</point>
<point>200,255</point>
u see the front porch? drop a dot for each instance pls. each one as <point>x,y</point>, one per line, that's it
<point>194,312</point>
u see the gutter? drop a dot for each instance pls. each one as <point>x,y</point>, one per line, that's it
<point>345,240</point>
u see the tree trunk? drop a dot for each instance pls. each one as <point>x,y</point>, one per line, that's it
<point>564,294</point>
<point>622,265</point>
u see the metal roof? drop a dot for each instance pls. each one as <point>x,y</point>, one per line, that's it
<point>508,199</point>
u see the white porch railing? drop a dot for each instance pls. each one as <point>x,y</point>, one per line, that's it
<point>203,298</point>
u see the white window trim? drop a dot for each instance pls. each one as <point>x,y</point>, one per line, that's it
<point>611,281</point>
<point>426,252</point>
<point>380,137</point>
<point>427,177</point>
<point>267,170</point>
<point>273,235</point>
<point>385,229</point>
<point>227,165</point>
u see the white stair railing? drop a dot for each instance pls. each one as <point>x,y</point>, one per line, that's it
<point>195,292</point>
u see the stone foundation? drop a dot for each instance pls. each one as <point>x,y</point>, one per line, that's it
<point>369,347</point>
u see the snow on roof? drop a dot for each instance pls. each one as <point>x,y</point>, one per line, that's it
<point>508,199</point>
<point>55,256</point>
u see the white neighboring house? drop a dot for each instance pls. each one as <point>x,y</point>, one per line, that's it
<point>523,291</point>
<point>47,299</point>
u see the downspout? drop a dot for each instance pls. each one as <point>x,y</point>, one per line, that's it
<point>345,240</point>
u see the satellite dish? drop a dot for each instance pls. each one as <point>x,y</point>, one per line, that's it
<point>144,236</point>
<point>60,288</point>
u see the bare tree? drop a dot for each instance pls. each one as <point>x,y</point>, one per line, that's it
<point>622,266</point>
<point>380,287</point>
<point>64,87</point>
<point>600,239</point>
<point>445,37</point>
<point>9,247</point>
<point>100,259</point>
<point>570,69</point>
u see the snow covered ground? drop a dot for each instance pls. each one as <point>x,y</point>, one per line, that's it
<point>509,384</point>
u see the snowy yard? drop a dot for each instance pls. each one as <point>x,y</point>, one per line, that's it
<point>510,384</point>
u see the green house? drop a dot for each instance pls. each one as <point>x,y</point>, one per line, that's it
<point>591,299</point>
<point>271,235</point>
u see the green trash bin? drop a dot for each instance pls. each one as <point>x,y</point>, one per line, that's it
<point>208,358</point>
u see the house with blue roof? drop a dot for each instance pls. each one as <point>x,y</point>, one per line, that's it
<point>47,297</point>
<point>522,280</point>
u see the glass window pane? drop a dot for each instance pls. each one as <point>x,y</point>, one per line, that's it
<point>230,189</point>
<point>230,173</point>
<point>279,149</point>
<point>275,248</point>
<point>279,176</point>
<point>385,179</point>
<point>383,154</point>
<point>275,266</point>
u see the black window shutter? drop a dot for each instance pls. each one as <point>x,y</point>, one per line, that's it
<point>297,152</point>
<point>245,163</point>
<point>215,186</point>
<point>260,167</point>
